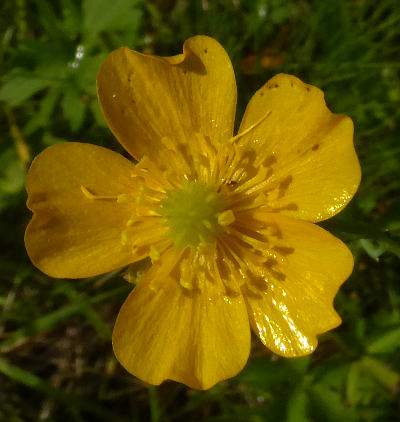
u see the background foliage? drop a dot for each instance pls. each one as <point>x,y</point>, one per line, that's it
<point>56,359</point>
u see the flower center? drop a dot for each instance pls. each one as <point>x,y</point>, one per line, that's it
<point>192,214</point>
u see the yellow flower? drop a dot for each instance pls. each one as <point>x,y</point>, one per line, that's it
<point>227,221</point>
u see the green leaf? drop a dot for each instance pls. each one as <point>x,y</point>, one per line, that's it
<point>53,319</point>
<point>297,409</point>
<point>391,245</point>
<point>387,342</point>
<point>328,405</point>
<point>20,88</point>
<point>42,118</point>
<point>97,114</point>
<point>12,175</point>
<point>87,309</point>
<point>73,108</point>
<point>353,383</point>
<point>373,248</point>
<point>263,373</point>
<point>380,372</point>
<point>72,402</point>
<point>104,14</point>
<point>86,73</point>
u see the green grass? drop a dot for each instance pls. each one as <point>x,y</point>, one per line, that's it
<point>56,359</point>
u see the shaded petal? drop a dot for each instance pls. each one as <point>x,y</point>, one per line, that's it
<point>310,149</point>
<point>70,235</point>
<point>164,331</point>
<point>146,98</point>
<point>310,266</point>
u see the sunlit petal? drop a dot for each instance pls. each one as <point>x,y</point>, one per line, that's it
<point>73,234</point>
<point>310,150</point>
<point>154,103</point>
<point>309,266</point>
<point>165,331</point>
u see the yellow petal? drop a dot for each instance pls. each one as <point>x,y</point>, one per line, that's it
<point>147,98</point>
<point>310,266</point>
<point>165,331</point>
<point>71,235</point>
<point>310,149</point>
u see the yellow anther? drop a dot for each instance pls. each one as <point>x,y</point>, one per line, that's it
<point>130,222</point>
<point>92,196</point>
<point>129,277</point>
<point>139,198</point>
<point>226,218</point>
<point>124,238</point>
<point>154,254</point>
<point>253,126</point>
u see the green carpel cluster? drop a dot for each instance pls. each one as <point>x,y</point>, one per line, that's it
<point>191,213</point>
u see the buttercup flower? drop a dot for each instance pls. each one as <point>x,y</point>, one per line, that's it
<point>226,222</point>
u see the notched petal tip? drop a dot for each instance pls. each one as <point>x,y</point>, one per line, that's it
<point>293,310</point>
<point>284,81</point>
<point>65,237</point>
<point>312,145</point>
<point>141,96</point>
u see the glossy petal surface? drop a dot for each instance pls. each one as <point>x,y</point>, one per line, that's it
<point>309,149</point>
<point>70,235</point>
<point>224,221</point>
<point>147,98</point>
<point>297,303</point>
<point>164,331</point>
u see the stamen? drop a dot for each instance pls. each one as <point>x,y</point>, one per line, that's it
<point>256,183</point>
<point>154,254</point>
<point>186,275</point>
<point>124,238</point>
<point>228,246</point>
<point>226,218</point>
<point>225,272</point>
<point>253,126</point>
<point>92,196</point>
<point>260,244</point>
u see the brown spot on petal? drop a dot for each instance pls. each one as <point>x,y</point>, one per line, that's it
<point>284,185</point>
<point>284,250</point>
<point>315,147</point>
<point>270,264</point>
<point>269,161</point>
<point>248,291</point>
<point>292,207</point>
<point>289,207</point>
<point>259,283</point>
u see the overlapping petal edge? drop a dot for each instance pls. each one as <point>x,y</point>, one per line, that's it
<point>292,164</point>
